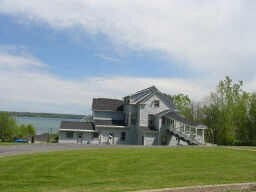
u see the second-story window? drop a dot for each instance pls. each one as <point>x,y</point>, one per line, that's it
<point>156,103</point>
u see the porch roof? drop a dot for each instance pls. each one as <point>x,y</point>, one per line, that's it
<point>174,115</point>
<point>77,126</point>
<point>109,122</point>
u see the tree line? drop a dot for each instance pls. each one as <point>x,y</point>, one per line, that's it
<point>229,112</point>
<point>9,130</point>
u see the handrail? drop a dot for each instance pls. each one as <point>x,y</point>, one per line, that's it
<point>183,136</point>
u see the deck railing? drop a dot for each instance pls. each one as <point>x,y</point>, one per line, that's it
<point>181,135</point>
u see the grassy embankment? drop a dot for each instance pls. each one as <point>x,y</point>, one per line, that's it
<point>125,169</point>
<point>9,143</point>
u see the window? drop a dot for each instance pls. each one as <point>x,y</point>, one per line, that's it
<point>151,121</point>
<point>199,132</point>
<point>127,100</point>
<point>133,118</point>
<point>142,106</point>
<point>70,135</point>
<point>163,121</point>
<point>95,135</point>
<point>156,103</point>
<point>123,136</point>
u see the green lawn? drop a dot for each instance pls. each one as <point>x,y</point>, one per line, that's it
<point>9,143</point>
<point>125,169</point>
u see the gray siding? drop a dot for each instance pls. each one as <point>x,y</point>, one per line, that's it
<point>150,109</point>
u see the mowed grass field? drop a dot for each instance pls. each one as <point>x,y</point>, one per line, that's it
<point>125,169</point>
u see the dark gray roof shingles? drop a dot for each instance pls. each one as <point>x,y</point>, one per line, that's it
<point>77,125</point>
<point>105,104</point>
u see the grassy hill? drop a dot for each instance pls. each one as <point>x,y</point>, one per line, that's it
<point>125,169</point>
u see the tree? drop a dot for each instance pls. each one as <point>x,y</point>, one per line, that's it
<point>7,126</point>
<point>25,131</point>
<point>226,111</point>
<point>252,119</point>
<point>183,103</point>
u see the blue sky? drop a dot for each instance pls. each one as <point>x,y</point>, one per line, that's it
<point>55,56</point>
<point>84,55</point>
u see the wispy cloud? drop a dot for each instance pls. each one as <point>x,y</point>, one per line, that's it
<point>40,90</point>
<point>18,57</point>
<point>19,61</point>
<point>108,58</point>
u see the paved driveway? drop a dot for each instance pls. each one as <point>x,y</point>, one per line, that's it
<point>7,150</point>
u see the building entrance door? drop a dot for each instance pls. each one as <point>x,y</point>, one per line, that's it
<point>79,138</point>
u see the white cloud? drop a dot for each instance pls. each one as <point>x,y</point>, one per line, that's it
<point>20,61</point>
<point>39,90</point>
<point>212,37</point>
<point>17,57</point>
<point>108,58</point>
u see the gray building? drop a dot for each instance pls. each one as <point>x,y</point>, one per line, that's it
<point>147,117</point>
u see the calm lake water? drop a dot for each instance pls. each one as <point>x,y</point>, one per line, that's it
<point>43,125</point>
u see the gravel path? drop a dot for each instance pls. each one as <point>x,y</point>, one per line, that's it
<point>243,148</point>
<point>209,188</point>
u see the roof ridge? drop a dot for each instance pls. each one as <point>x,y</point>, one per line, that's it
<point>143,90</point>
<point>107,98</point>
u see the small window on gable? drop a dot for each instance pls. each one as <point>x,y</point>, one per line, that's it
<point>156,103</point>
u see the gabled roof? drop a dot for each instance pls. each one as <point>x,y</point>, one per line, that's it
<point>76,125</point>
<point>145,94</point>
<point>139,95</point>
<point>106,104</point>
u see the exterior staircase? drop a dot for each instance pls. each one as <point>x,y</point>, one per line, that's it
<point>182,136</point>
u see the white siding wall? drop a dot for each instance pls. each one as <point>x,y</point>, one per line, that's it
<point>85,138</point>
<point>150,138</point>
<point>150,109</point>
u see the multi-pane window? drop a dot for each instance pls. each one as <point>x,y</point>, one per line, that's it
<point>69,134</point>
<point>156,103</point>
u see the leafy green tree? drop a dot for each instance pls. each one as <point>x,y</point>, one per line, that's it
<point>183,103</point>
<point>226,111</point>
<point>25,131</point>
<point>252,119</point>
<point>7,126</point>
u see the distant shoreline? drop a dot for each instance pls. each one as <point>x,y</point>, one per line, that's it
<point>45,115</point>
